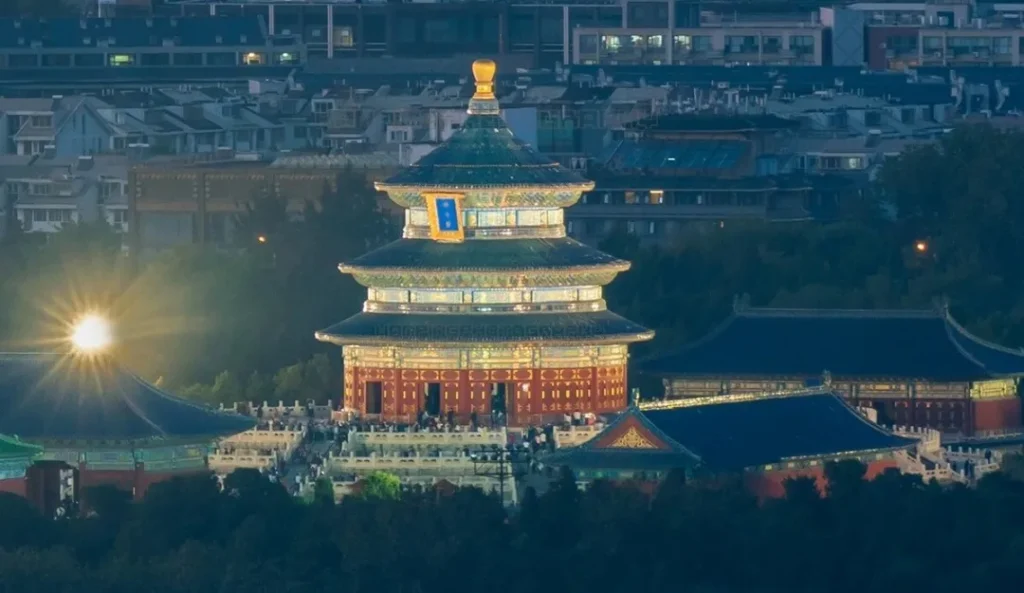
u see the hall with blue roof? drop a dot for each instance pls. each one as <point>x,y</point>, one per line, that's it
<point>916,367</point>
<point>737,433</point>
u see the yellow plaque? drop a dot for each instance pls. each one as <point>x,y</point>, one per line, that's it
<point>445,214</point>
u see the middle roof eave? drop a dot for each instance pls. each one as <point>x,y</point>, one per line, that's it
<point>486,328</point>
<point>499,255</point>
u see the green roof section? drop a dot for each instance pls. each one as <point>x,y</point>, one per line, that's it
<point>14,449</point>
<point>484,153</point>
<point>425,255</point>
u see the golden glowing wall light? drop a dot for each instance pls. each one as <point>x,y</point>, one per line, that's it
<point>91,334</point>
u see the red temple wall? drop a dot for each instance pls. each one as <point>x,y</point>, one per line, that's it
<point>17,486</point>
<point>772,484</point>
<point>137,481</point>
<point>996,414</point>
<point>531,394</point>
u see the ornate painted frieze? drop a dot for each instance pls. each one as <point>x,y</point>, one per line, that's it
<point>584,275</point>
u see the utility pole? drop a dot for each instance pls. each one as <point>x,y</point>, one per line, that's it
<point>500,463</point>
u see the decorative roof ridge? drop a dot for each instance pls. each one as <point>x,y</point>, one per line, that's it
<point>952,325</point>
<point>636,412</point>
<point>704,339</point>
<point>744,311</point>
<point>690,402</point>
<point>175,398</point>
<point>874,425</point>
<point>17,442</point>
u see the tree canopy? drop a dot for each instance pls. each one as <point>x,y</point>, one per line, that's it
<point>892,534</point>
<point>221,325</point>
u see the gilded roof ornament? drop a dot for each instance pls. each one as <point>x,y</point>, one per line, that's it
<point>484,102</point>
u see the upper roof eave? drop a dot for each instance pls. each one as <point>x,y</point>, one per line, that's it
<point>946,352</point>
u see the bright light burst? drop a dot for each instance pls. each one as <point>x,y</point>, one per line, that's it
<point>92,334</point>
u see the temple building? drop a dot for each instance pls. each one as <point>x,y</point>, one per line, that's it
<point>765,438</point>
<point>485,307</point>
<point>916,368</point>
<point>71,424</point>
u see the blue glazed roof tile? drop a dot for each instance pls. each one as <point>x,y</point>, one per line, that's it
<point>506,254</point>
<point>802,343</point>
<point>45,397</point>
<point>734,435</point>
<point>480,328</point>
<point>484,153</point>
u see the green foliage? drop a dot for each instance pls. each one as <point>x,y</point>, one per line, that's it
<point>960,196</point>
<point>380,486</point>
<point>323,491</point>
<point>892,534</point>
<point>216,325</point>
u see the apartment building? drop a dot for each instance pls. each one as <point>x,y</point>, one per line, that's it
<point>43,193</point>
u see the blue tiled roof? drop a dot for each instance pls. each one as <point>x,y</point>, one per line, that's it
<point>484,153</point>
<point>879,344</point>
<point>734,435</point>
<point>45,397</point>
<point>132,32</point>
<point>507,254</point>
<point>591,456</point>
<point>478,328</point>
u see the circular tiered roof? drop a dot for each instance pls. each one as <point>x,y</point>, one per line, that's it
<point>49,398</point>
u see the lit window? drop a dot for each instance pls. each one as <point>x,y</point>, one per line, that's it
<point>343,37</point>
<point>253,59</point>
<point>121,59</point>
<point>631,197</point>
<point>657,196</point>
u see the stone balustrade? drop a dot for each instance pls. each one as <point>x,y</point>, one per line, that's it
<point>574,436</point>
<point>225,463</point>
<point>285,440</point>
<point>415,440</point>
<point>280,411</point>
<point>440,466</point>
<point>930,440</point>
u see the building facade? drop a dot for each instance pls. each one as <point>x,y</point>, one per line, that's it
<point>485,306</point>
<point>772,438</point>
<point>914,368</point>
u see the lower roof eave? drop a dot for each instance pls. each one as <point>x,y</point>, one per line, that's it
<point>834,377</point>
<point>827,457</point>
<point>106,444</point>
<point>341,340</point>
<point>613,266</point>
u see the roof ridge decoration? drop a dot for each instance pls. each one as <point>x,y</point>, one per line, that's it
<point>637,414</point>
<point>740,309</point>
<point>954,325</point>
<point>733,398</point>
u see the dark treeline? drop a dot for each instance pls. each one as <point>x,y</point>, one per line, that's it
<point>216,324</point>
<point>893,534</point>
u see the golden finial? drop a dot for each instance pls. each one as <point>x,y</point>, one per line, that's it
<point>483,72</point>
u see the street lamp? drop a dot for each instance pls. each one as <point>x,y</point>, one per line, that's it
<point>262,238</point>
<point>921,246</point>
